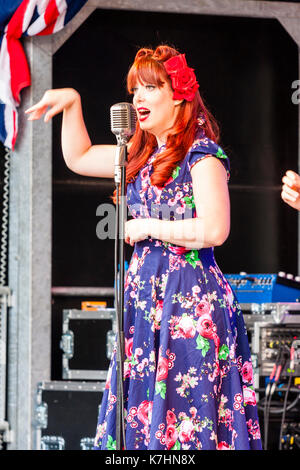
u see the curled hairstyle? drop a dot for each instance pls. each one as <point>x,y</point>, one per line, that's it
<point>148,68</point>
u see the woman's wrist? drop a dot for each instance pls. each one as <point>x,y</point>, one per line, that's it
<point>153,227</point>
<point>72,99</point>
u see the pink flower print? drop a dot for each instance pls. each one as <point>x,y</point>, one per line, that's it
<point>178,250</point>
<point>127,369</point>
<point>157,191</point>
<point>140,367</point>
<point>228,415</point>
<point>108,378</point>
<point>186,430</point>
<point>174,262</point>
<point>113,399</point>
<point>238,400</point>
<point>128,347</point>
<point>238,397</point>
<point>229,294</point>
<point>239,362</point>
<point>171,359</point>
<point>180,210</point>
<point>186,327</point>
<point>247,372</point>
<point>212,376</point>
<point>131,415</point>
<point>202,308</point>
<point>101,429</point>
<point>134,264</point>
<point>171,436</point>
<point>127,281</point>
<point>205,326</point>
<point>236,406</point>
<point>173,327</point>
<point>158,310</point>
<point>131,330</point>
<point>144,174</point>
<point>162,369</point>
<point>144,412</point>
<point>223,446</point>
<point>171,417</point>
<point>217,346</point>
<point>195,290</point>
<point>159,435</point>
<point>179,195</point>
<point>138,352</point>
<point>172,201</point>
<point>232,351</point>
<point>249,396</point>
<point>253,429</point>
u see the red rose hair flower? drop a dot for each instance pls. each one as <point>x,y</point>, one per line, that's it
<point>184,82</point>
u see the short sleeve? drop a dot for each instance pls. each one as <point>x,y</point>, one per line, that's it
<point>203,148</point>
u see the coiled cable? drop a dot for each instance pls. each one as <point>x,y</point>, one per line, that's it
<point>4,224</point>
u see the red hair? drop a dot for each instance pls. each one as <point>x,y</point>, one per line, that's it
<point>148,68</point>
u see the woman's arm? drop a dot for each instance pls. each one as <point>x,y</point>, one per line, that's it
<point>211,226</point>
<point>80,155</point>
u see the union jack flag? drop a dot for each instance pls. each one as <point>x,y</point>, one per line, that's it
<point>24,18</point>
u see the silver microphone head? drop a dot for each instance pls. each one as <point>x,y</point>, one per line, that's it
<point>123,120</point>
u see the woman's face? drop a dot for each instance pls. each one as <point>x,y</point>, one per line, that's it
<point>156,109</point>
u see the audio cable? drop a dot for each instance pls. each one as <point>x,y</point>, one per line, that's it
<point>284,411</point>
<point>270,388</point>
<point>279,365</point>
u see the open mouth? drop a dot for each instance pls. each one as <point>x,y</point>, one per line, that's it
<point>143,113</point>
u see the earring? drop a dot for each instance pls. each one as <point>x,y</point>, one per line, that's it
<point>201,119</point>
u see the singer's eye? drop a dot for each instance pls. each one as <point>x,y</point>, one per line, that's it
<point>133,90</point>
<point>150,87</point>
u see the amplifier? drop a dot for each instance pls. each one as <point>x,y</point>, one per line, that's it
<point>278,339</point>
<point>87,343</point>
<point>66,414</point>
<point>265,288</point>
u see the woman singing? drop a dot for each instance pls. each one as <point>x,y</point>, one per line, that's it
<point>188,379</point>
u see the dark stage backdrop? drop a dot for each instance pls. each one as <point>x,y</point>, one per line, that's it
<point>245,68</point>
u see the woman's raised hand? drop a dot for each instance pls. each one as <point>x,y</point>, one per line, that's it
<point>291,189</point>
<point>80,155</point>
<point>56,100</point>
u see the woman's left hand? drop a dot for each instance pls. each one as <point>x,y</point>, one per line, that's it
<point>137,230</point>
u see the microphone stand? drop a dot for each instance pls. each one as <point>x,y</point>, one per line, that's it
<point>120,177</point>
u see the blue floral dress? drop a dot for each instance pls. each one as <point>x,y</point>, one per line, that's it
<point>188,379</point>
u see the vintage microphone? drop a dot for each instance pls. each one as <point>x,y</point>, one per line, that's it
<point>123,122</point>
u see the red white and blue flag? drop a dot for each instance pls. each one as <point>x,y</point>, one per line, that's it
<point>24,18</point>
